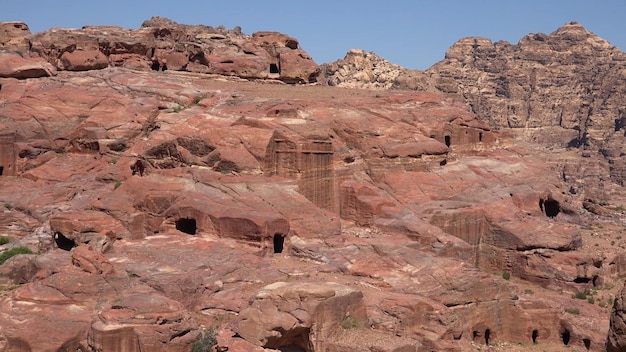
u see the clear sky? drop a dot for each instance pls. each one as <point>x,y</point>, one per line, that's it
<point>412,33</point>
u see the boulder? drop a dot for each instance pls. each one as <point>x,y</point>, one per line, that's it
<point>305,315</point>
<point>13,65</point>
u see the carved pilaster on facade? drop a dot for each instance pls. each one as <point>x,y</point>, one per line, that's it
<point>310,161</point>
<point>7,155</point>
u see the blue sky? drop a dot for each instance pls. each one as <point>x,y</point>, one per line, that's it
<point>414,34</point>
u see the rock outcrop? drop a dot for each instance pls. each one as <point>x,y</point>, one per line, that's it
<point>160,44</point>
<point>564,89</point>
<point>163,204</point>
<point>361,69</point>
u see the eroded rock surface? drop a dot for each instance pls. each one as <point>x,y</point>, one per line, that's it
<point>162,203</point>
<point>160,44</point>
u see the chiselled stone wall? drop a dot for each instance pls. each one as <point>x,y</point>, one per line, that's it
<point>309,161</point>
<point>7,155</point>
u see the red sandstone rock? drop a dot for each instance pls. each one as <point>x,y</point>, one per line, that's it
<point>83,60</point>
<point>15,66</point>
<point>409,203</point>
<point>91,261</point>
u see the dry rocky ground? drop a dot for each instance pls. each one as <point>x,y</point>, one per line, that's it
<point>172,179</point>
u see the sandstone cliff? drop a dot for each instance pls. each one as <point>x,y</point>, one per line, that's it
<point>161,44</point>
<point>165,196</point>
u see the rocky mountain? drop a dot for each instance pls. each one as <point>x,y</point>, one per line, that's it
<point>188,185</point>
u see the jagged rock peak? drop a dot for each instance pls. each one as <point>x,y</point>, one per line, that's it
<point>572,33</point>
<point>366,70</point>
<point>362,69</point>
<point>158,21</point>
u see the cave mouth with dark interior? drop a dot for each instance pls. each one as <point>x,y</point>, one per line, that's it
<point>293,340</point>
<point>279,243</point>
<point>534,335</point>
<point>447,140</point>
<point>187,225</point>
<point>550,207</point>
<point>565,335</point>
<point>274,68</point>
<point>63,242</point>
<point>487,336</point>
<point>1,170</point>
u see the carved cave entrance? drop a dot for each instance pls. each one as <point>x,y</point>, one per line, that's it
<point>187,225</point>
<point>550,207</point>
<point>63,242</point>
<point>279,243</point>
<point>447,140</point>
<point>476,336</point>
<point>294,340</point>
<point>274,68</point>
<point>534,335</point>
<point>1,170</point>
<point>157,67</point>
<point>565,335</point>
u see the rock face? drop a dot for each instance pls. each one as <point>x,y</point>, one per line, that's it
<point>303,315</point>
<point>617,332</point>
<point>163,204</point>
<point>361,69</point>
<point>570,83</point>
<point>160,44</point>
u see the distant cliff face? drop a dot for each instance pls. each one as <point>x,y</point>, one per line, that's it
<point>160,44</point>
<point>563,89</point>
<point>362,69</point>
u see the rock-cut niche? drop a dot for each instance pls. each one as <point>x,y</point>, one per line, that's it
<point>279,243</point>
<point>187,225</point>
<point>550,207</point>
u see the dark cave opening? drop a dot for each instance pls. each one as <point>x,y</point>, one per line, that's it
<point>155,66</point>
<point>443,162</point>
<point>63,242</point>
<point>587,343</point>
<point>581,280</point>
<point>186,225</point>
<point>565,335</point>
<point>487,336</point>
<point>447,140</point>
<point>1,170</point>
<point>480,136</point>
<point>294,340</point>
<point>534,335</point>
<point>552,208</point>
<point>274,68</point>
<point>279,242</point>
<point>474,335</point>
